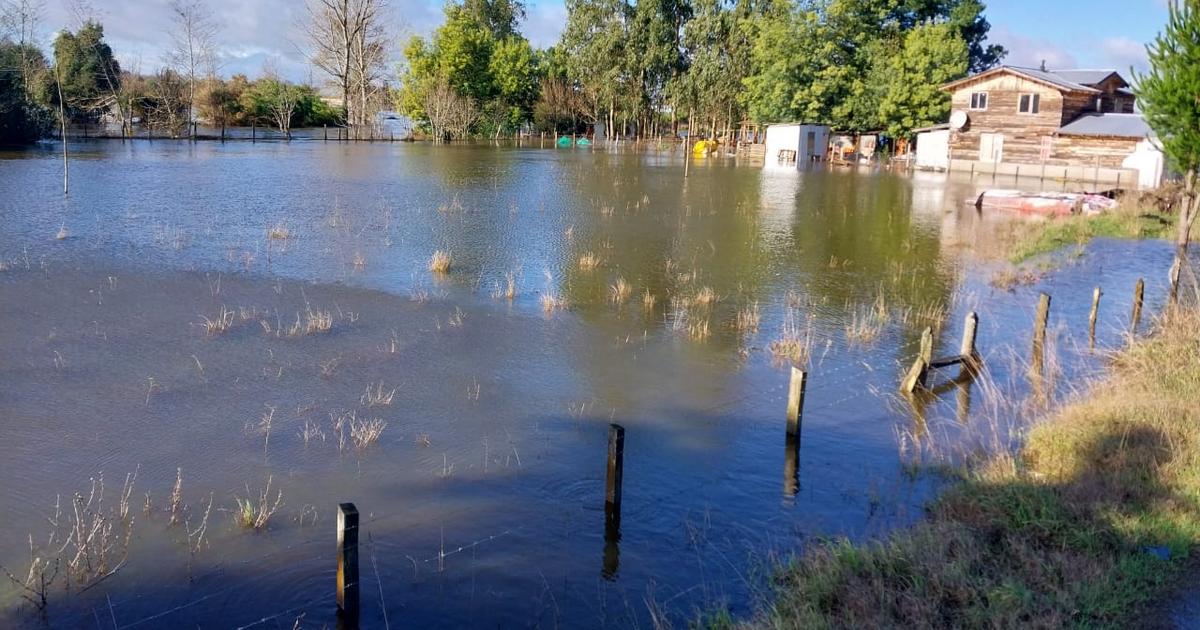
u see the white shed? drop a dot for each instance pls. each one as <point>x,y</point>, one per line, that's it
<point>933,149</point>
<point>794,144</point>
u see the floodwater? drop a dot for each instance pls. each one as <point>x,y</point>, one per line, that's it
<point>482,500</point>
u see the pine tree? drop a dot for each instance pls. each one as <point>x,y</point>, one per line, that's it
<point>1167,96</point>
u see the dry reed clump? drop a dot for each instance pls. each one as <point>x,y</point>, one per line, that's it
<point>747,318</point>
<point>793,344</point>
<point>440,261</point>
<point>377,396</point>
<point>1085,526</point>
<point>509,290</point>
<point>361,433</point>
<point>279,232</point>
<point>313,322</point>
<point>256,514</point>
<point>87,544</point>
<point>705,297</point>
<point>588,261</point>
<point>1009,278</point>
<point>648,300</point>
<point>864,328</point>
<point>619,291</point>
<point>553,302</point>
<point>219,323</point>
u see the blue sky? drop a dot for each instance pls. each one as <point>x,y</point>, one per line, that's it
<point>1080,33</point>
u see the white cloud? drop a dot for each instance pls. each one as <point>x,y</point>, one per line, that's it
<point>1121,53</point>
<point>1031,52</point>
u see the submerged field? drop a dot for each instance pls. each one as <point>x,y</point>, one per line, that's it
<point>222,318</point>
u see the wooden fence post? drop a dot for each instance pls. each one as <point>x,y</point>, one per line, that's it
<point>795,405</point>
<point>616,468</point>
<point>1039,334</point>
<point>1173,277</point>
<point>1139,293</point>
<point>1092,317</point>
<point>347,568</point>
<point>920,368</point>
<point>970,357</point>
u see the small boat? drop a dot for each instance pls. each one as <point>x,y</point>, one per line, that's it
<point>1044,203</point>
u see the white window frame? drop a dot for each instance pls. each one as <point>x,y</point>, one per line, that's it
<point>972,106</point>
<point>1035,103</point>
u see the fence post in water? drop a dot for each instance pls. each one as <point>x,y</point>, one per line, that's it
<point>1039,334</point>
<point>347,567</point>
<point>325,131</point>
<point>1092,317</point>
<point>254,131</point>
<point>1173,277</point>
<point>920,368</point>
<point>616,468</point>
<point>970,358</point>
<point>795,404</point>
<point>1139,292</point>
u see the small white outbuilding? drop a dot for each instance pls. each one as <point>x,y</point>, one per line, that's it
<point>793,145</point>
<point>933,149</point>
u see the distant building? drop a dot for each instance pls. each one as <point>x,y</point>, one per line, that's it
<point>792,145</point>
<point>1075,125</point>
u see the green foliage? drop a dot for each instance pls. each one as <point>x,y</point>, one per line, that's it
<point>1034,239</point>
<point>22,120</point>
<point>1167,94</point>
<point>89,74</point>
<point>932,55</point>
<point>478,53</point>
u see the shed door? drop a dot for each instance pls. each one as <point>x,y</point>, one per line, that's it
<point>991,147</point>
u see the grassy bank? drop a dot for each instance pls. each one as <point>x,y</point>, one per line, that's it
<point>1129,220</point>
<point>1084,527</point>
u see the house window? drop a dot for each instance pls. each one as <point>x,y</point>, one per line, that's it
<point>978,100</point>
<point>1029,104</point>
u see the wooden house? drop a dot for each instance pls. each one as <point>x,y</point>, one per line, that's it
<point>1063,124</point>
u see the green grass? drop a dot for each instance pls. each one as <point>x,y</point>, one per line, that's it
<point>1033,239</point>
<point>1054,536</point>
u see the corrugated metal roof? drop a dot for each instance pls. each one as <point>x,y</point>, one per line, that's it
<point>1084,77</point>
<point>1055,78</point>
<point>1116,125</point>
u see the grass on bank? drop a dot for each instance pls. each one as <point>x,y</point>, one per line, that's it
<point>1084,527</point>
<point>1129,220</point>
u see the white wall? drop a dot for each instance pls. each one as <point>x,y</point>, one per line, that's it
<point>1147,160</point>
<point>795,138</point>
<point>933,149</point>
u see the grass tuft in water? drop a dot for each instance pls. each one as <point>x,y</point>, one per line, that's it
<point>440,261</point>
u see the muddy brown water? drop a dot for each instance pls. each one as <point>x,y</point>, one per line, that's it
<point>482,500</point>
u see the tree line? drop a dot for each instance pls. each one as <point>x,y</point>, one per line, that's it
<point>643,67</point>
<point>80,80</point>
<point>627,67</point>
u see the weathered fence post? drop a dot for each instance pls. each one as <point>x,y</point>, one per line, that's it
<point>347,567</point>
<point>1173,277</point>
<point>616,468</point>
<point>920,368</point>
<point>1092,317</point>
<point>1039,334</point>
<point>795,404</point>
<point>254,131</point>
<point>325,131</point>
<point>1139,293</point>
<point>970,357</point>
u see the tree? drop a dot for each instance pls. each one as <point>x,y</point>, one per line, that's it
<point>450,113</point>
<point>192,55</point>
<point>594,44</point>
<point>499,17</point>
<point>88,74</point>
<point>276,101</point>
<point>932,55</point>
<point>165,105</point>
<point>1167,96</point>
<point>21,119</point>
<point>347,41</point>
